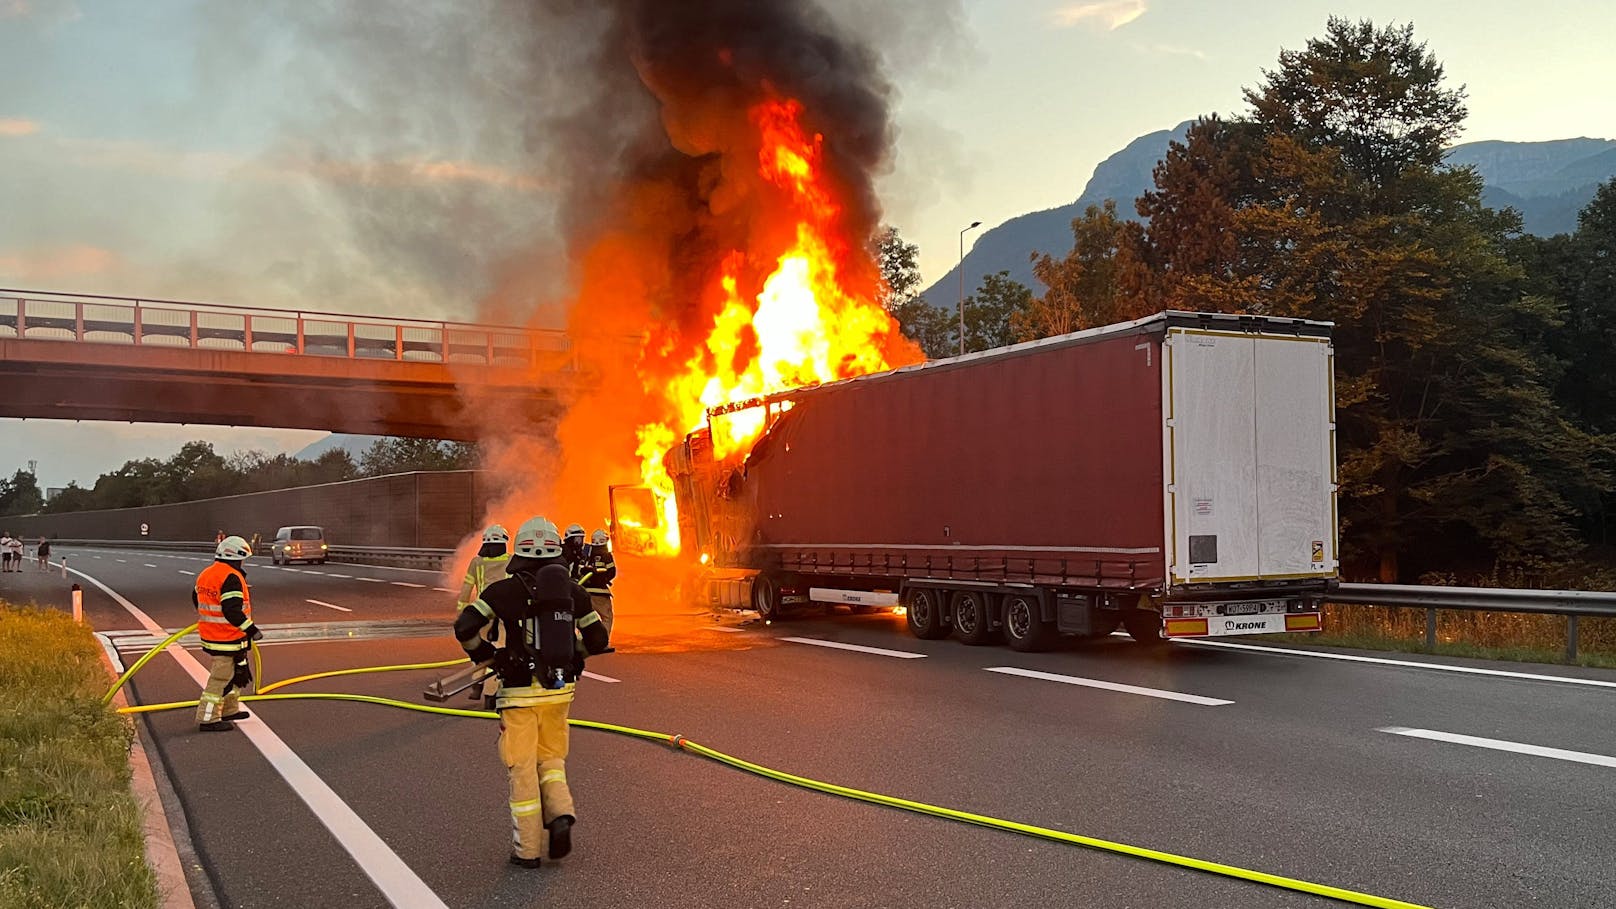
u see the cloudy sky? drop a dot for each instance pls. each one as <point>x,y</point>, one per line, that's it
<point>239,153</point>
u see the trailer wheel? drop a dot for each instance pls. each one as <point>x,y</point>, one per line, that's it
<point>1144,626</point>
<point>1024,628</point>
<point>923,609</point>
<point>766,597</point>
<point>973,622</point>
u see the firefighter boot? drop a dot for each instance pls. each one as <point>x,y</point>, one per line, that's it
<point>560,831</point>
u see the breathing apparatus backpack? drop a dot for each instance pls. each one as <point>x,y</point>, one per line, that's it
<point>540,649</point>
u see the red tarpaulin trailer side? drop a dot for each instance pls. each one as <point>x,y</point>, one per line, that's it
<point>1044,463</point>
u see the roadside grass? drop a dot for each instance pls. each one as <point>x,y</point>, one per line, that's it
<point>1510,636</point>
<point>70,831</point>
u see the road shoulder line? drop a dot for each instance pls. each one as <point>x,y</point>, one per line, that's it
<point>1413,664</point>
<point>401,886</point>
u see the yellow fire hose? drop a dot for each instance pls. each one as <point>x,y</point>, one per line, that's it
<point>682,743</point>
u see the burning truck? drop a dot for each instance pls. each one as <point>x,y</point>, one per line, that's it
<point>1174,476</point>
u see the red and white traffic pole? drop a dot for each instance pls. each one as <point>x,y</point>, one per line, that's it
<point>78,604</point>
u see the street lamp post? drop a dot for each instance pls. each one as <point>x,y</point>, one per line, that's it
<point>974,226</point>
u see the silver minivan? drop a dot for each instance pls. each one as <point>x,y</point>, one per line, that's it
<point>299,544</point>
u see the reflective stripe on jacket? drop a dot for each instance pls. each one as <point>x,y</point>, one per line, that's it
<point>216,630</point>
<point>483,571</point>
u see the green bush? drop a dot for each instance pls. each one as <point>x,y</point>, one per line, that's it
<point>70,831</point>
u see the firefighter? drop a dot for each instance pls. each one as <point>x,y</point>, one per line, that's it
<point>486,567</point>
<point>599,573</point>
<point>224,621</point>
<point>549,627</point>
<point>575,551</point>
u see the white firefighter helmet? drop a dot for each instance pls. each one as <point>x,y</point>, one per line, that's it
<point>599,538</point>
<point>575,530</point>
<point>496,533</point>
<point>537,538</point>
<point>232,549</point>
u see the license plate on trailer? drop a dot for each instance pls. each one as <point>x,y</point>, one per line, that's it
<point>1216,626</point>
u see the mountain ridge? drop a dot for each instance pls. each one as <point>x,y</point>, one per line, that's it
<point>1548,182</point>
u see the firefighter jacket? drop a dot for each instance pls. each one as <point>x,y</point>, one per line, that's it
<point>515,604</point>
<point>223,609</point>
<point>600,569</point>
<point>482,572</point>
<point>575,555</point>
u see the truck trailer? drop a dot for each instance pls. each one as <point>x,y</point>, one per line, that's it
<point>1174,476</point>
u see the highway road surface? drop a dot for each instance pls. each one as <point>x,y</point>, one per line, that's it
<point>1414,778</point>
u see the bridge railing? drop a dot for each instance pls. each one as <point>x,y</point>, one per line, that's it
<point>88,318</point>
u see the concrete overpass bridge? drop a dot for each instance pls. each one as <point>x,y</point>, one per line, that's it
<point>86,357</point>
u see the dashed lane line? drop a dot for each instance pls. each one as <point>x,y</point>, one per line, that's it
<point>443,590</point>
<point>398,883</point>
<point>345,577</point>
<point>1412,664</point>
<point>408,584</point>
<point>371,580</point>
<point>1110,686</point>
<point>599,678</point>
<point>1559,754</point>
<point>726,629</point>
<point>183,571</point>
<point>860,648</point>
<point>330,605</point>
<point>148,565</point>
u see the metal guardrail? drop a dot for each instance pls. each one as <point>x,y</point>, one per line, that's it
<point>95,319</point>
<point>1572,604</point>
<point>386,556</point>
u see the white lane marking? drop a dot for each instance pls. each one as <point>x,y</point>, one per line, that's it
<point>401,886</point>
<point>345,577</point>
<point>726,629</point>
<point>121,561</point>
<point>408,584</point>
<point>598,677</point>
<point>1440,667</point>
<point>838,645</point>
<point>312,571</point>
<point>1560,754</point>
<point>148,565</point>
<point>1110,686</point>
<point>443,590</point>
<point>183,571</point>
<point>372,580</point>
<point>330,605</point>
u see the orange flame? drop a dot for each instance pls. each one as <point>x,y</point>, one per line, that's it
<point>806,322</point>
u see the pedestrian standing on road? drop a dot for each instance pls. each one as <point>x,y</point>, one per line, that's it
<point>224,621</point>
<point>44,552</point>
<point>548,628</point>
<point>600,570</point>
<point>5,552</point>
<point>218,538</point>
<point>18,548</point>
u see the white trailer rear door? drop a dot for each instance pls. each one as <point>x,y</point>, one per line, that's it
<point>1249,457</point>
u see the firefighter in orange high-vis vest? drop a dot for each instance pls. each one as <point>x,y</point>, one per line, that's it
<point>224,621</point>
